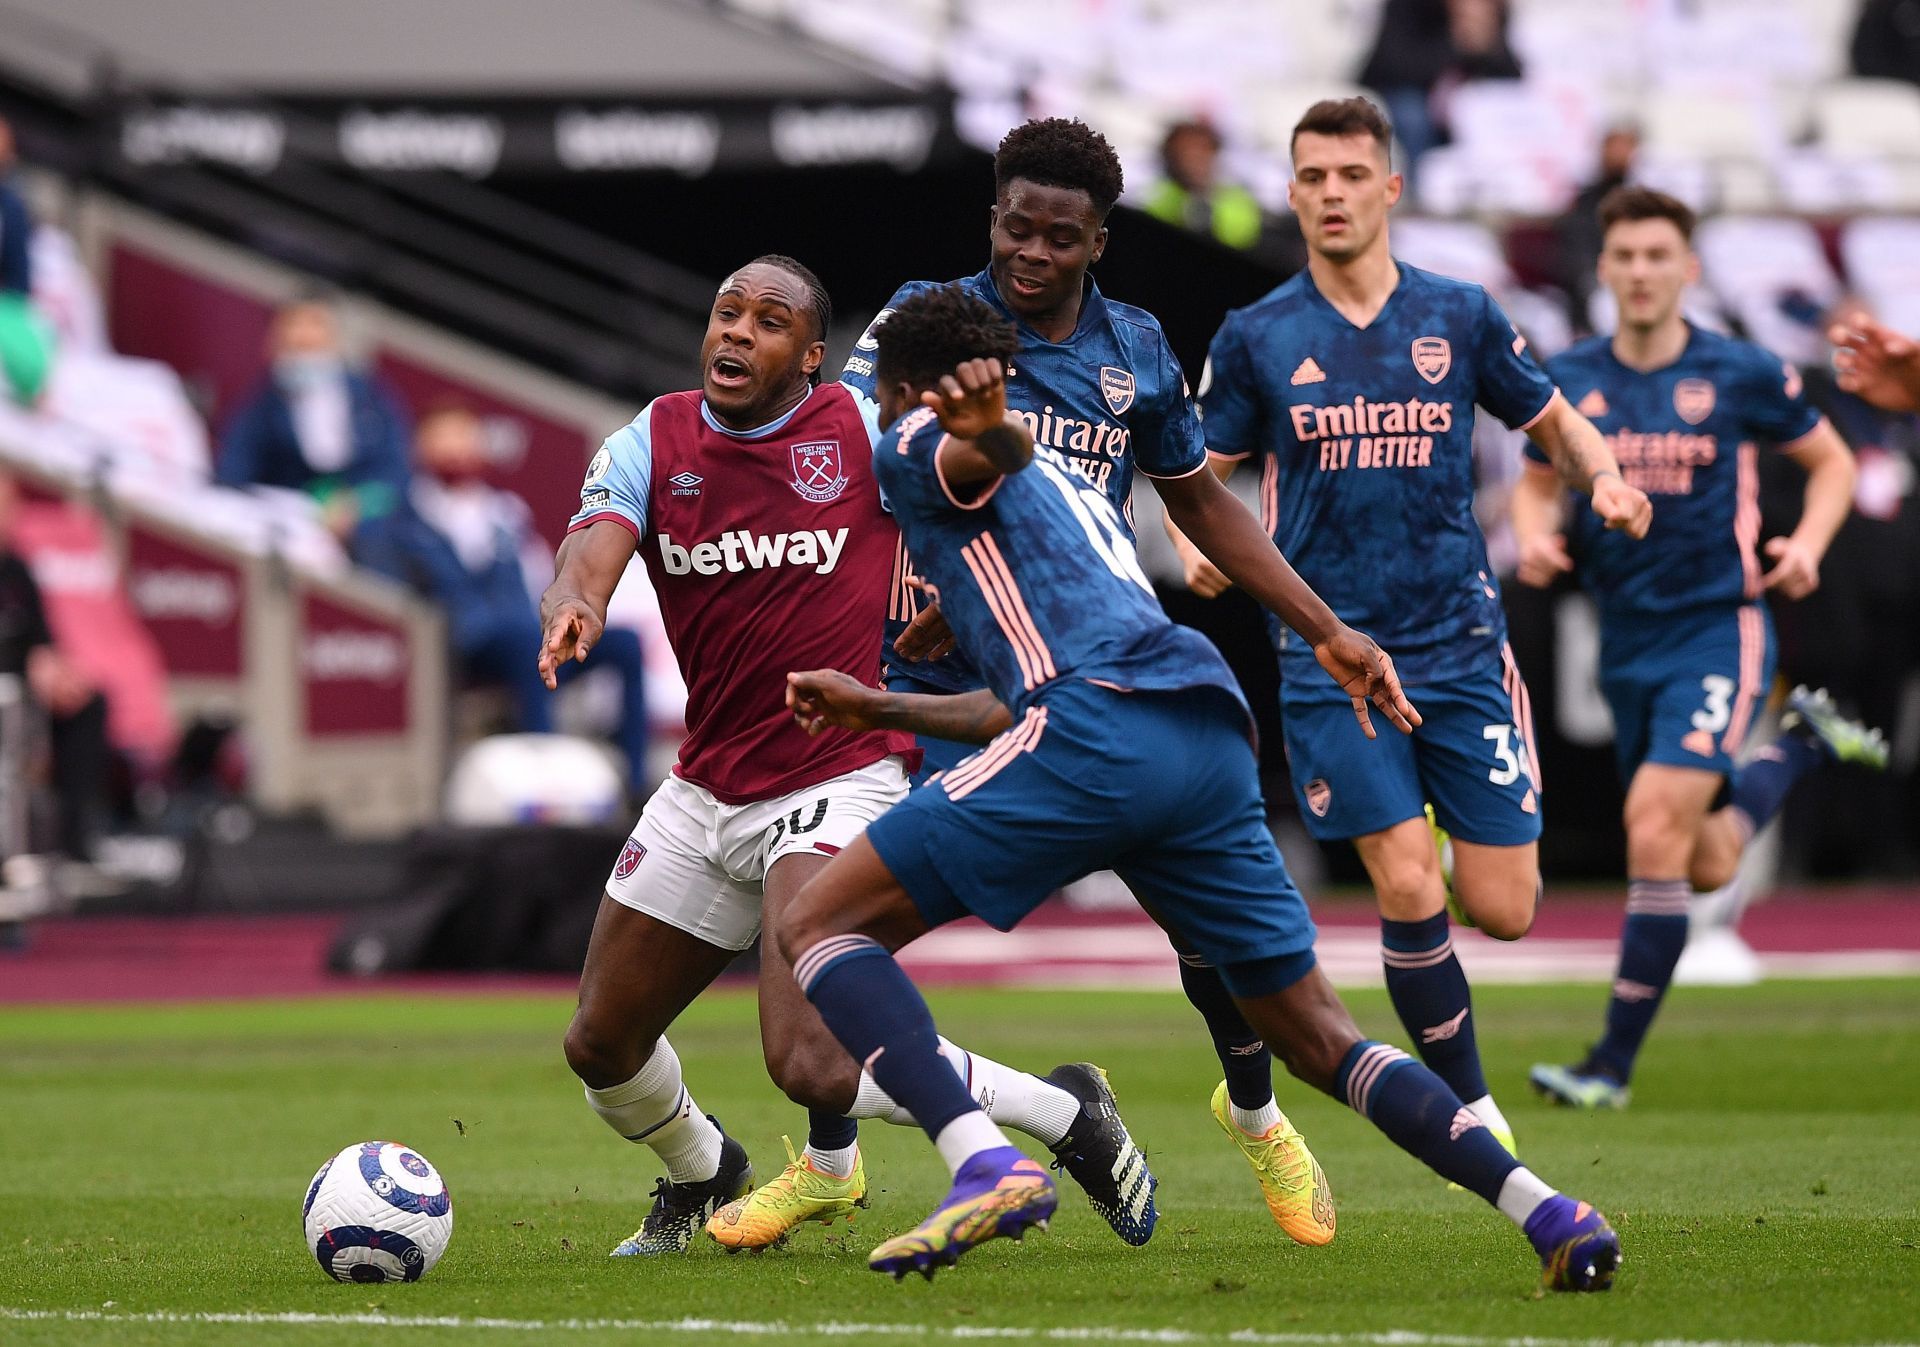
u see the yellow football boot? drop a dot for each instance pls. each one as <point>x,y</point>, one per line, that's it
<point>800,1193</point>
<point>1290,1178</point>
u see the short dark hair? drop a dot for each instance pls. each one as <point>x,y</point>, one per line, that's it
<point>1643,203</point>
<point>1060,152</point>
<point>934,331</point>
<point>1346,117</point>
<point>818,302</point>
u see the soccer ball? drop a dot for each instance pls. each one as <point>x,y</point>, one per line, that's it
<point>378,1212</point>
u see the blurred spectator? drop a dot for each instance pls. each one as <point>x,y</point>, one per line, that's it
<point>76,711</point>
<point>317,425</point>
<point>472,548</point>
<point>26,341</point>
<point>1191,194</point>
<point>1427,48</point>
<point>1579,229</point>
<point>1886,40</point>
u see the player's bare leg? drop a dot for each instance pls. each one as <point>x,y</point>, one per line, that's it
<point>1497,886</point>
<point>640,974</point>
<point>807,1062</point>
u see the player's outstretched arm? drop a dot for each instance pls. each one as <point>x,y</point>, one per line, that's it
<point>1213,517</point>
<point>1876,363</point>
<point>573,611</point>
<point>1536,507</point>
<point>983,442</point>
<point>823,698</point>
<point>1829,496</point>
<point>1580,455</point>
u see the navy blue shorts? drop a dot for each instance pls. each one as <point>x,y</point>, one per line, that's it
<point>1161,787</point>
<point>1684,687</point>
<point>1472,758</point>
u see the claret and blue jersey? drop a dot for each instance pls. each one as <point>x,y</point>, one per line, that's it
<point>1109,397</point>
<point>1364,438</point>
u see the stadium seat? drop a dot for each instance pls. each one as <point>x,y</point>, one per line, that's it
<point>1462,248</point>
<point>1869,117</point>
<point>1882,261</point>
<point>1754,263</point>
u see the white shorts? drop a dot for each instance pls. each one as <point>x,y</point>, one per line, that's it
<point>701,865</point>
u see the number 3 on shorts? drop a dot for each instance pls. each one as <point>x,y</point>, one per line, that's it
<point>1713,717</point>
<point>1506,753</point>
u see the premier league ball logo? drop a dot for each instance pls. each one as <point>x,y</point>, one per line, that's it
<point>818,473</point>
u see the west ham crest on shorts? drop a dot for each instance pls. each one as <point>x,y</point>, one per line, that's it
<point>1432,358</point>
<point>817,471</point>
<point>1693,400</point>
<point>1319,796</point>
<point>1116,386</point>
<point>630,857</point>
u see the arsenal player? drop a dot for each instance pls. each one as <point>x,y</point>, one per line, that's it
<point>753,504</point>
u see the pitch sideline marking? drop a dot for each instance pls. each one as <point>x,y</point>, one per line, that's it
<point>839,1329</point>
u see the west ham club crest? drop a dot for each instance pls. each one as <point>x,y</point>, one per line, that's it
<point>818,473</point>
<point>630,857</point>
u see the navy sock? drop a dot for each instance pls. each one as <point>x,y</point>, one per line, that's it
<point>830,1131</point>
<point>1429,990</point>
<point>1419,1114</point>
<point>1650,944</point>
<point>1242,1052</point>
<point>878,1015</point>
<point>1760,787</point>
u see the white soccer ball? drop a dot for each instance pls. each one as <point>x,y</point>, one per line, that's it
<point>378,1212</point>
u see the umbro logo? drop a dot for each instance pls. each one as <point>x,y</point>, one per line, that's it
<point>1309,373</point>
<point>685,483</point>
<point>1593,404</point>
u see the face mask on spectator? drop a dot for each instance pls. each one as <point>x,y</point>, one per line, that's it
<point>298,373</point>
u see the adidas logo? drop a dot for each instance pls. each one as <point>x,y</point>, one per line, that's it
<point>1593,404</point>
<point>1309,373</point>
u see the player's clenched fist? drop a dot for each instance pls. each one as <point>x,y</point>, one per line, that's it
<point>1624,508</point>
<point>572,630</point>
<point>1366,672</point>
<point>972,400</point>
<point>822,698</point>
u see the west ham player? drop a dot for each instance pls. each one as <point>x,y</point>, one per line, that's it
<point>1686,647</point>
<point>753,504</point>
<point>1096,381</point>
<point>1354,385</point>
<point>1128,745</point>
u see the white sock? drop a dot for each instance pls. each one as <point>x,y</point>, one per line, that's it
<point>1025,1103</point>
<point>655,1109</point>
<point>1522,1194</point>
<point>1255,1122</point>
<point>838,1163</point>
<point>870,1101</point>
<point>966,1136</point>
<point>1489,1113</point>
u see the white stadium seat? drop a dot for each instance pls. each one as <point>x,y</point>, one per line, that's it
<point>1753,262</point>
<point>1869,117</point>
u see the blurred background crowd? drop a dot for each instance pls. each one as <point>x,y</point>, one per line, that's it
<point>307,334</point>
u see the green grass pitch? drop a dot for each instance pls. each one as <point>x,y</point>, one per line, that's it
<point>1766,1184</point>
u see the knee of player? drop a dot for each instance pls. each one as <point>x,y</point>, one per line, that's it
<point>1508,913</point>
<point>796,929</point>
<point>1313,1048</point>
<point>1707,873</point>
<point>597,1058</point>
<point>810,1075</point>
